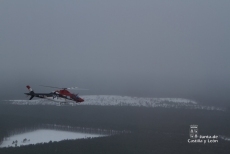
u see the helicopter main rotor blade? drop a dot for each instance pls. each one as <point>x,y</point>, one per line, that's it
<point>70,88</point>
<point>75,88</point>
<point>52,87</point>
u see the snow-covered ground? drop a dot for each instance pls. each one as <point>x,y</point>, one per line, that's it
<point>224,138</point>
<point>43,136</point>
<point>113,100</point>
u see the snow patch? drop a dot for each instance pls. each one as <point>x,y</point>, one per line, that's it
<point>113,100</point>
<point>43,136</point>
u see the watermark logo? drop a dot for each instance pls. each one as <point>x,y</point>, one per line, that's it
<point>196,138</point>
<point>193,131</point>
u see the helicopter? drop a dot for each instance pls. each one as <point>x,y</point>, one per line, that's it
<point>62,95</point>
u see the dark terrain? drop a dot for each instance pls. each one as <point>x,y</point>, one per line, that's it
<point>153,130</point>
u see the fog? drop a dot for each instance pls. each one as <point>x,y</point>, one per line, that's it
<point>135,48</point>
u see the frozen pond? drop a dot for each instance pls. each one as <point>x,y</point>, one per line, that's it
<point>43,136</point>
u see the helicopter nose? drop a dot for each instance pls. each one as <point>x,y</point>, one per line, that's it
<point>80,100</point>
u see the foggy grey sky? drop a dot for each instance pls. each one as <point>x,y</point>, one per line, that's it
<point>137,48</point>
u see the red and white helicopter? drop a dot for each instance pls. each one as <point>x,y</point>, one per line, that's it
<point>62,95</point>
